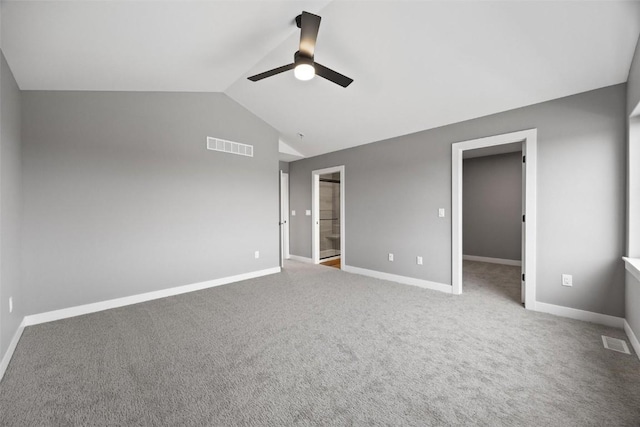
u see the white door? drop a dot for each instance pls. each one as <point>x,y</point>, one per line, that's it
<point>284,215</point>
<point>523,234</point>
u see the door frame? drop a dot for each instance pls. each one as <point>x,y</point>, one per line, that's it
<point>315,213</point>
<point>528,138</point>
<point>284,216</point>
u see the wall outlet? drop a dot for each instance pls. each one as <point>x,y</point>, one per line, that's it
<point>567,280</point>
<point>390,257</point>
<point>293,213</point>
<point>10,304</point>
<point>419,260</point>
<point>307,212</point>
<point>257,254</point>
<point>441,212</point>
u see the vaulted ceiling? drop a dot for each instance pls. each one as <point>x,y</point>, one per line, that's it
<point>416,64</point>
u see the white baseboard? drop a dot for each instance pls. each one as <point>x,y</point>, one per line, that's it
<point>301,259</point>
<point>492,260</point>
<point>632,338</point>
<point>79,310</point>
<point>400,279</point>
<point>573,313</point>
<point>4,364</point>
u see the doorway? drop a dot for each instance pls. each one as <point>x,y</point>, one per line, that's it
<point>492,227</point>
<point>328,216</point>
<point>528,140</point>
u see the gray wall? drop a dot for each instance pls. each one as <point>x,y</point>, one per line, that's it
<point>284,167</point>
<point>10,207</point>
<point>492,206</point>
<point>395,187</point>
<point>633,93</point>
<point>121,196</point>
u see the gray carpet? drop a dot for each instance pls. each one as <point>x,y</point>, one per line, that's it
<point>317,346</point>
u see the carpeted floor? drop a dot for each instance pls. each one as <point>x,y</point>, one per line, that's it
<point>317,346</point>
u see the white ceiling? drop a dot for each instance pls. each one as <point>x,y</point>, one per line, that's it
<point>416,64</point>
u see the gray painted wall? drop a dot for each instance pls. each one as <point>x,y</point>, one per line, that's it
<point>633,84</point>
<point>121,196</point>
<point>10,207</point>
<point>284,167</point>
<point>395,187</point>
<point>492,206</point>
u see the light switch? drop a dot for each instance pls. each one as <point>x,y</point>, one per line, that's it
<point>293,213</point>
<point>441,212</point>
<point>419,260</point>
<point>307,212</point>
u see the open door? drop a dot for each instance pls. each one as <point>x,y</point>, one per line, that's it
<point>284,217</point>
<point>523,257</point>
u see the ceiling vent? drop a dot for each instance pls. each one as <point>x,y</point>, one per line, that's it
<point>615,344</point>
<point>230,147</point>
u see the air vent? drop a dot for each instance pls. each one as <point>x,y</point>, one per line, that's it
<point>230,147</point>
<point>615,344</point>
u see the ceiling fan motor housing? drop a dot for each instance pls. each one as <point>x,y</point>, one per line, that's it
<point>301,58</point>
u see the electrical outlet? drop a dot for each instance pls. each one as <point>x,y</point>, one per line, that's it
<point>10,304</point>
<point>419,260</point>
<point>567,280</point>
<point>390,257</point>
<point>257,254</point>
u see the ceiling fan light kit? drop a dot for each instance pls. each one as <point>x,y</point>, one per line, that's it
<point>304,66</point>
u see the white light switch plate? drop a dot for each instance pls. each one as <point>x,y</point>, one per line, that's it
<point>293,213</point>
<point>390,257</point>
<point>567,280</point>
<point>419,260</point>
<point>307,212</point>
<point>441,212</point>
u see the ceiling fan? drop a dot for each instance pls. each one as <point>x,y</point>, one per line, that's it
<point>304,67</point>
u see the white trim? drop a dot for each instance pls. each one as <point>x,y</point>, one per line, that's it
<point>632,338</point>
<point>502,261</point>
<point>329,258</point>
<point>574,313</point>
<point>633,266</point>
<point>79,310</point>
<point>12,347</point>
<point>442,287</point>
<point>300,259</point>
<point>529,140</point>
<point>315,212</point>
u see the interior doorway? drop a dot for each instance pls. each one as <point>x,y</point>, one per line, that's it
<point>492,226</point>
<point>528,141</point>
<point>284,217</point>
<point>328,216</point>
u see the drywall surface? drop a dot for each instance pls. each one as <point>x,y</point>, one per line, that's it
<point>121,196</point>
<point>393,189</point>
<point>284,167</point>
<point>633,84</point>
<point>632,303</point>
<point>492,206</point>
<point>10,207</point>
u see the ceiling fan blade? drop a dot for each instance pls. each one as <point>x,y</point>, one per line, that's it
<point>331,75</point>
<point>309,26</point>
<point>271,72</point>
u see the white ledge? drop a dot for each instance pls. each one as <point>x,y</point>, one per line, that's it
<point>633,266</point>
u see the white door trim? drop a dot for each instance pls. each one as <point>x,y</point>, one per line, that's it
<point>315,213</point>
<point>529,140</point>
